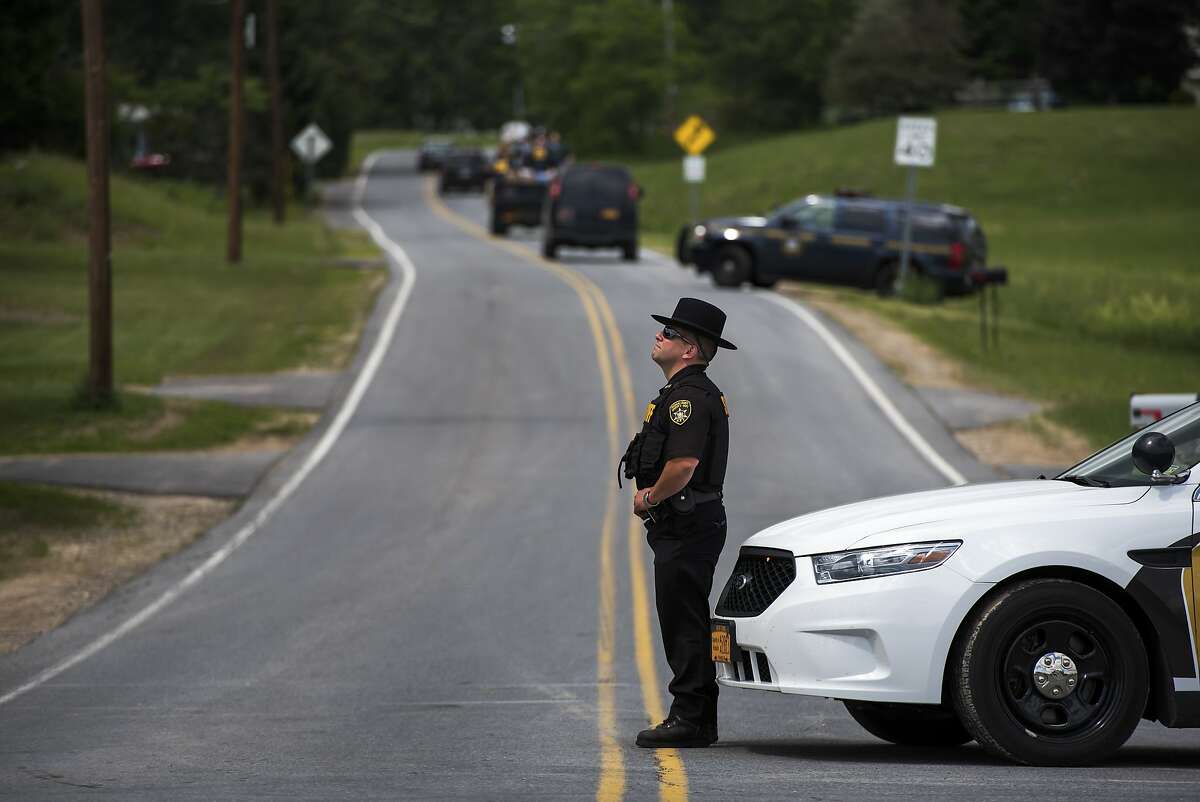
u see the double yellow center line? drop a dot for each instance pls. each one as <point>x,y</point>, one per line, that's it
<point>614,373</point>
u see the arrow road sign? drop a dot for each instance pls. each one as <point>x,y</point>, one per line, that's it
<point>694,135</point>
<point>311,144</point>
<point>916,141</point>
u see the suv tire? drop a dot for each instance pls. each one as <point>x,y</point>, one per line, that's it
<point>995,691</point>
<point>909,725</point>
<point>885,278</point>
<point>734,266</point>
<point>763,280</point>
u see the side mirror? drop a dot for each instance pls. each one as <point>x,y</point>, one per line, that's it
<point>1153,453</point>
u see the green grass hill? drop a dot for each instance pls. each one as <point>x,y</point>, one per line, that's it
<point>178,308</point>
<point>1094,211</point>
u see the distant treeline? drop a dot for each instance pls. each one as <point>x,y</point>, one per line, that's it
<point>598,70</point>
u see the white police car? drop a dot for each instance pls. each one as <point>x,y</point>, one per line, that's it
<point>1042,619</point>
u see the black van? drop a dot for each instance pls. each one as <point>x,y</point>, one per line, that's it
<point>592,206</point>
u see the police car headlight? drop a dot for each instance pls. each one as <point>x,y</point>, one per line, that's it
<point>699,231</point>
<point>731,233</point>
<point>844,566</point>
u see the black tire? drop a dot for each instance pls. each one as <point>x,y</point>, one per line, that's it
<point>498,227</point>
<point>734,267</point>
<point>629,251</point>
<point>909,725</point>
<point>886,276</point>
<point>683,251</point>
<point>763,280</point>
<point>549,248</point>
<point>994,689</point>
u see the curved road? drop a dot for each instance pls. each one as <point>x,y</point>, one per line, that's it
<point>454,603</point>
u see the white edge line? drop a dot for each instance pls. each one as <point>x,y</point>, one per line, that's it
<point>872,389</point>
<point>359,388</point>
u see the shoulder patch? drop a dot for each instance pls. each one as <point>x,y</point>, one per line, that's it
<point>681,410</point>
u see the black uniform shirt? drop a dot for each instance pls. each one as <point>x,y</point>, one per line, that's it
<point>696,422</point>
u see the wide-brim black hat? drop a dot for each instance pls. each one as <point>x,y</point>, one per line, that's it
<point>700,317</point>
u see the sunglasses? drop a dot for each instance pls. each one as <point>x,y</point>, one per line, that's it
<point>674,334</point>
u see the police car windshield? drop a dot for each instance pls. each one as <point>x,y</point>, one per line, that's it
<point>1114,466</point>
<point>789,209</point>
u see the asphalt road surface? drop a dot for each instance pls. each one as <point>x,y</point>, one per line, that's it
<point>452,602</point>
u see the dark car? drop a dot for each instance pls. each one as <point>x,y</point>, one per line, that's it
<point>592,206</point>
<point>433,153</point>
<point>464,169</point>
<point>854,241</point>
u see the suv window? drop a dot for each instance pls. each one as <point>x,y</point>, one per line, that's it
<point>860,218</point>
<point>815,216</point>
<point>598,185</point>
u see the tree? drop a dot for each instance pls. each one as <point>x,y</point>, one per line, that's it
<point>768,60</point>
<point>901,55</point>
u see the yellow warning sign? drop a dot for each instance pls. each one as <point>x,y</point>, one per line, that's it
<point>694,135</point>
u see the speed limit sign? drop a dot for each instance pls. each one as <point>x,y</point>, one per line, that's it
<point>916,141</point>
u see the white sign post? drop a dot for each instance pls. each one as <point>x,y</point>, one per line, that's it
<point>916,145</point>
<point>311,145</point>
<point>693,175</point>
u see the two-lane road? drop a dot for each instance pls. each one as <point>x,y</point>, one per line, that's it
<point>453,603</point>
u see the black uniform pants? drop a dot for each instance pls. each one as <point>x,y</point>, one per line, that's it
<point>686,548</point>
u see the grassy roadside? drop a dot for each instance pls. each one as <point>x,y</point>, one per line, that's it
<point>178,309</point>
<point>383,139</point>
<point>1093,211</point>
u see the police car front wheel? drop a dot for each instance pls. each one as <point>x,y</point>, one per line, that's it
<point>909,725</point>
<point>1050,672</point>
<point>733,266</point>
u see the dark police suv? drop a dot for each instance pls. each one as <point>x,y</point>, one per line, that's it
<point>592,206</point>
<point>838,240</point>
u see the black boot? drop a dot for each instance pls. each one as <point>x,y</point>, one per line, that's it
<point>675,732</point>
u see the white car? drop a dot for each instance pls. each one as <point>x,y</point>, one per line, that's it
<point>1042,618</point>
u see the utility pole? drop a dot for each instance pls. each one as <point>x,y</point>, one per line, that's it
<point>100,356</point>
<point>668,11</point>
<point>237,33</point>
<point>277,151</point>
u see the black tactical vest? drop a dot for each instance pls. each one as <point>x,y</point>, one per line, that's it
<point>643,460</point>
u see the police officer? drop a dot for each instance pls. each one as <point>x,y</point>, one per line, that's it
<point>678,462</point>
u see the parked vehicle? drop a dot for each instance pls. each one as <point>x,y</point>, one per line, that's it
<point>592,206</point>
<point>852,241</point>
<point>1043,619</point>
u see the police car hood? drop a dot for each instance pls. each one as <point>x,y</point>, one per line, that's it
<point>954,512</point>
<point>737,222</point>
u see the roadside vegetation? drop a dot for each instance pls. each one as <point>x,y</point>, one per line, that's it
<point>178,309</point>
<point>1092,210</point>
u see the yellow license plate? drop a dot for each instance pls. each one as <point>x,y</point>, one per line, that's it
<point>722,643</point>
<point>610,214</point>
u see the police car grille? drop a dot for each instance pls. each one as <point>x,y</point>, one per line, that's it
<point>758,578</point>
